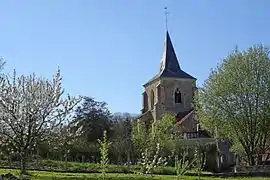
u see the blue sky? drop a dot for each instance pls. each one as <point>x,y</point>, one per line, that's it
<point>108,49</point>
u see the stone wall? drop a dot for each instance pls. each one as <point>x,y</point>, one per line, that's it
<point>258,168</point>
<point>186,87</point>
<point>149,89</point>
<point>163,92</point>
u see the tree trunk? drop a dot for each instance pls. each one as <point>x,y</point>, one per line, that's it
<point>176,161</point>
<point>10,160</point>
<point>83,158</point>
<point>218,162</point>
<point>203,160</point>
<point>259,159</point>
<point>251,159</point>
<point>23,162</point>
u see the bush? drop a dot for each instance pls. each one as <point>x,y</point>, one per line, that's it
<point>59,166</point>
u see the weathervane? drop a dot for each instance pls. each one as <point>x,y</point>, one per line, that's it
<point>166,17</point>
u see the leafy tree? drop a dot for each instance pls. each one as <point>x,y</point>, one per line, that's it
<point>164,132</point>
<point>120,116</point>
<point>182,164</point>
<point>104,151</point>
<point>91,119</point>
<point>122,140</point>
<point>167,133</point>
<point>200,158</point>
<point>62,142</point>
<point>30,107</point>
<point>150,161</point>
<point>139,137</point>
<point>84,151</point>
<point>234,102</point>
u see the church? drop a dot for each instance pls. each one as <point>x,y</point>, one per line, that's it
<point>170,90</point>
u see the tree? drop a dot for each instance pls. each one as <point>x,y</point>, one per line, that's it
<point>139,137</point>
<point>164,132</point>
<point>30,107</point>
<point>104,151</point>
<point>234,102</point>
<point>61,141</point>
<point>118,116</point>
<point>121,140</point>
<point>167,133</point>
<point>91,119</point>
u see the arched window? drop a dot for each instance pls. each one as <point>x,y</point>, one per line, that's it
<point>177,96</point>
<point>152,100</point>
<point>145,102</point>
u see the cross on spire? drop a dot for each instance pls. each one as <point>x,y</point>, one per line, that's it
<point>166,17</point>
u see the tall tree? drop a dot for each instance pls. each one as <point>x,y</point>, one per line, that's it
<point>234,102</point>
<point>121,140</point>
<point>118,116</point>
<point>91,119</point>
<point>139,137</point>
<point>166,132</point>
<point>30,107</point>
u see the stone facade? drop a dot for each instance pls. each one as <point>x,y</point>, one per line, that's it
<point>186,87</point>
<point>159,96</point>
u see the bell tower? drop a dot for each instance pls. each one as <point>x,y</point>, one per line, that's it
<point>170,90</point>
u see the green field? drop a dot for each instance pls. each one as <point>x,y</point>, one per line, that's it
<point>91,176</point>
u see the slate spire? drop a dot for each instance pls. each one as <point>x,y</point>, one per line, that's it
<point>169,64</point>
<point>169,60</point>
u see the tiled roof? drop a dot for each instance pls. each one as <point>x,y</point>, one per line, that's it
<point>182,116</point>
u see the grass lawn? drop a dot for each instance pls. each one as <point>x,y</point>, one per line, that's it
<point>42,175</point>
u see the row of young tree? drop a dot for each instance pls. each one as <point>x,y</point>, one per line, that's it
<point>36,118</point>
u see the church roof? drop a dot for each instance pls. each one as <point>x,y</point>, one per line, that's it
<point>182,116</point>
<point>169,64</point>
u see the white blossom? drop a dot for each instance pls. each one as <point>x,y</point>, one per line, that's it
<point>31,107</point>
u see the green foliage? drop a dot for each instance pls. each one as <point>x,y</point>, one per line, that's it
<point>42,175</point>
<point>139,137</point>
<point>163,137</point>
<point>76,167</point>
<point>122,147</point>
<point>166,132</point>
<point>91,119</point>
<point>200,160</point>
<point>149,162</point>
<point>238,148</point>
<point>104,150</point>
<point>157,144</point>
<point>183,164</point>
<point>234,102</point>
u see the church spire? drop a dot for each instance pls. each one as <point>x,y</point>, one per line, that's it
<point>169,66</point>
<point>169,60</point>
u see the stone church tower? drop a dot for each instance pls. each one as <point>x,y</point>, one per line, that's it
<point>171,90</point>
